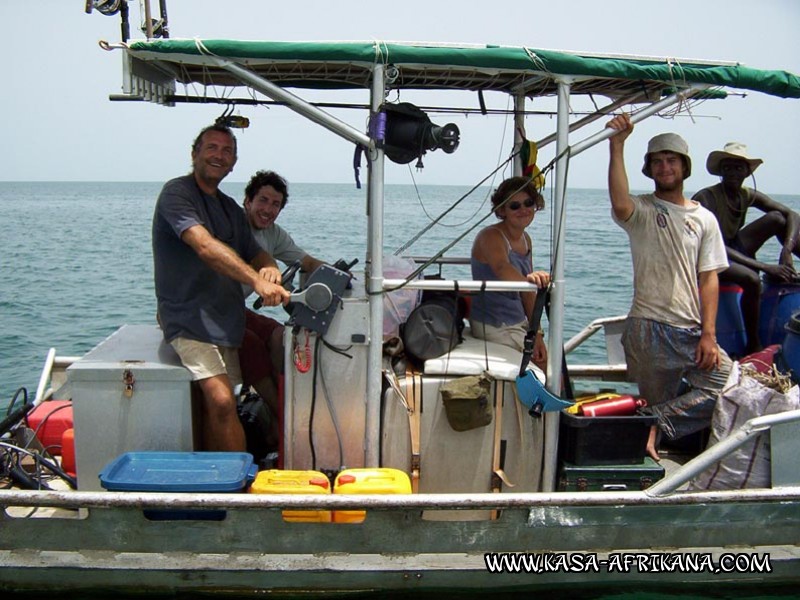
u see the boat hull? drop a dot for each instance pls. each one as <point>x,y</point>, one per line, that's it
<point>679,540</point>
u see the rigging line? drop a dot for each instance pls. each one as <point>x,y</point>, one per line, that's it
<point>440,253</point>
<point>567,153</point>
<point>331,409</point>
<point>485,198</point>
<point>425,229</point>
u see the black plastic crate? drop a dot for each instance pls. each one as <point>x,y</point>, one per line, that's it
<point>604,440</point>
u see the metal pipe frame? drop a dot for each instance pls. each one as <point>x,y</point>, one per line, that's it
<point>374,275</point>
<point>700,463</point>
<point>488,501</point>
<point>603,112</point>
<point>297,104</point>
<point>555,337</point>
<point>466,284</point>
<point>641,115</point>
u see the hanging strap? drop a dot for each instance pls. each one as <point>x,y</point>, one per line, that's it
<point>536,318</point>
<point>541,304</point>
<point>413,397</point>
<point>499,476</point>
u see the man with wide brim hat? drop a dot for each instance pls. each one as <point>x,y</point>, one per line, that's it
<point>677,249</point>
<point>733,151</point>
<point>729,201</point>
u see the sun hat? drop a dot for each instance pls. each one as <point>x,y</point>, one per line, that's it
<point>734,150</point>
<point>667,142</point>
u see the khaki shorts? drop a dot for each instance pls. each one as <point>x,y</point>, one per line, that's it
<point>206,360</point>
<point>508,335</point>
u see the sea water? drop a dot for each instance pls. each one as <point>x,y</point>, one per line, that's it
<point>76,258</point>
<point>76,264</point>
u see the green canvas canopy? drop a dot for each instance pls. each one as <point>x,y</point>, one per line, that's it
<point>515,70</point>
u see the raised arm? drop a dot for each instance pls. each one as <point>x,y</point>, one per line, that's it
<point>618,189</point>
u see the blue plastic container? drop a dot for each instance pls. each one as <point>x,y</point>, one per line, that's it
<point>179,472</point>
<point>730,324</point>
<point>779,301</point>
<point>790,350</point>
<point>197,472</point>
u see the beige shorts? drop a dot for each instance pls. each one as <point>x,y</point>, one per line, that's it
<point>508,335</point>
<point>206,360</point>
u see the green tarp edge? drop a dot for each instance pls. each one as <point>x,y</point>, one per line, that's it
<point>777,83</point>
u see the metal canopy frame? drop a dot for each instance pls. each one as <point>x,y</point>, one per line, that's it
<point>375,281</point>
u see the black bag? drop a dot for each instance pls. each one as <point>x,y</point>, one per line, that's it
<point>435,327</point>
<point>256,420</point>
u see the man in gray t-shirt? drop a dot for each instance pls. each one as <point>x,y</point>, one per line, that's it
<point>203,252</point>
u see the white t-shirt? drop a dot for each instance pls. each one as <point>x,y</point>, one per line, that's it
<point>670,245</point>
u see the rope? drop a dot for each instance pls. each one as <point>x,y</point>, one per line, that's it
<point>427,228</point>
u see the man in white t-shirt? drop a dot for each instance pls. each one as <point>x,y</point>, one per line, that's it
<point>676,245</point>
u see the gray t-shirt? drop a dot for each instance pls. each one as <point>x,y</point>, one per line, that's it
<point>194,301</point>
<point>670,245</point>
<point>276,242</point>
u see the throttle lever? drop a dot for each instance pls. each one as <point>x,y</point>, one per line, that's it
<point>317,297</point>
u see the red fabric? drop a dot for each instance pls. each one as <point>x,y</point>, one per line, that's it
<point>254,354</point>
<point>762,360</point>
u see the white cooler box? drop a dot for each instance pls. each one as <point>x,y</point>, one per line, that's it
<point>129,393</point>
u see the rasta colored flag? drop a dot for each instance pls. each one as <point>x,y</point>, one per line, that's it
<point>528,153</point>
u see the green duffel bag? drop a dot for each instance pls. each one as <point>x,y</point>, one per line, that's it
<point>467,401</point>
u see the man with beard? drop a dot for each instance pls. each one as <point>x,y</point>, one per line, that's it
<point>670,335</point>
<point>729,201</point>
<point>203,251</point>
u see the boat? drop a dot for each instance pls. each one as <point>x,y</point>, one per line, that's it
<point>488,511</point>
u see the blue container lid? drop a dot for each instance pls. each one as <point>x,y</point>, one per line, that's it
<point>179,472</point>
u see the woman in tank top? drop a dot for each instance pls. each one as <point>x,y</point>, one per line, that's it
<point>503,252</point>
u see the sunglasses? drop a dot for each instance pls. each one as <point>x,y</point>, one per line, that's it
<point>514,205</point>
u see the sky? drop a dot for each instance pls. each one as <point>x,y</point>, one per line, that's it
<point>63,127</point>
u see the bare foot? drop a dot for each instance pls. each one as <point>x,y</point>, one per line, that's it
<point>651,444</point>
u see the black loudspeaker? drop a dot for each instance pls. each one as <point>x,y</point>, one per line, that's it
<point>410,134</point>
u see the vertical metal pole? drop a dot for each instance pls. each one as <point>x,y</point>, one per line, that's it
<point>148,20</point>
<point>555,334</point>
<point>375,281</point>
<point>288,400</point>
<point>519,125</point>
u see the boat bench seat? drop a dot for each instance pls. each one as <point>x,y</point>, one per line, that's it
<point>470,358</point>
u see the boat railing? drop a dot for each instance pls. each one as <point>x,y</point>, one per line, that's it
<point>53,375</point>
<point>452,501</point>
<point>749,430</point>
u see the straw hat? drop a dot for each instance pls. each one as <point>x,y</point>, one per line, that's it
<point>667,142</point>
<point>734,150</point>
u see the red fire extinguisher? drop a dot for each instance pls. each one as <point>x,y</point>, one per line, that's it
<point>612,407</point>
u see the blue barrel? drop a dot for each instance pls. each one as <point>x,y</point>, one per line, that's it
<point>731,335</point>
<point>791,346</point>
<point>779,301</point>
